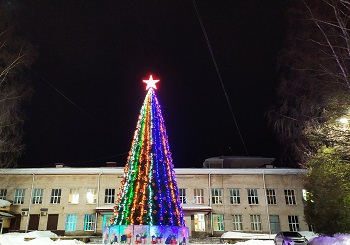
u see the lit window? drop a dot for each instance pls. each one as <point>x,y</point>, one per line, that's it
<point>237,222</point>
<point>89,222</point>
<point>199,222</point>
<point>198,196</point>
<point>235,197</point>
<point>216,196</point>
<point>106,220</point>
<point>55,196</point>
<point>3,193</point>
<point>255,222</point>
<point>71,222</point>
<point>271,196</point>
<point>218,222</point>
<point>109,195</point>
<point>73,196</point>
<point>91,197</point>
<point>293,222</point>
<point>290,197</point>
<point>182,195</point>
<point>19,196</point>
<point>37,196</point>
<point>253,196</point>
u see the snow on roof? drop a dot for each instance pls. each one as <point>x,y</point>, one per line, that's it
<point>5,215</point>
<point>4,203</point>
<point>105,208</point>
<point>195,207</point>
<point>178,171</point>
<point>185,207</point>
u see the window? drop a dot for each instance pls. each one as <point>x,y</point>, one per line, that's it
<point>290,197</point>
<point>218,222</point>
<point>91,197</point>
<point>3,193</point>
<point>71,222</point>
<point>237,222</point>
<point>255,222</point>
<point>293,222</point>
<point>182,195</point>
<point>271,196</point>
<point>199,222</point>
<point>275,224</point>
<point>89,222</point>
<point>109,195</point>
<point>106,220</point>
<point>235,196</point>
<point>216,196</point>
<point>55,196</point>
<point>253,196</point>
<point>198,196</point>
<point>73,196</point>
<point>19,196</point>
<point>37,196</point>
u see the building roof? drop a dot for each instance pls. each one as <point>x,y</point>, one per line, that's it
<point>120,170</point>
<point>5,215</point>
<point>237,162</point>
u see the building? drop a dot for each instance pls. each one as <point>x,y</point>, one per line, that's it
<point>80,201</point>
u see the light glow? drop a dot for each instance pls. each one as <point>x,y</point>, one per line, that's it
<point>151,83</point>
<point>344,120</point>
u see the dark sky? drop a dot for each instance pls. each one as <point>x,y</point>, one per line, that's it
<point>93,56</point>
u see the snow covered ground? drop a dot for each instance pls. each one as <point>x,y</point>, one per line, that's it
<point>43,238</point>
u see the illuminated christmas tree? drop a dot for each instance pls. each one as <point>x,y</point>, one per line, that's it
<point>149,193</point>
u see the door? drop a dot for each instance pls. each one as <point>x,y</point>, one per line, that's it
<point>275,224</point>
<point>15,223</point>
<point>52,220</point>
<point>33,222</point>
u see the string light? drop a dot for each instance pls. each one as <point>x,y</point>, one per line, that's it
<point>149,193</point>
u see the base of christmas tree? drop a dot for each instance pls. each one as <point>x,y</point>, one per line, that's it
<point>145,234</point>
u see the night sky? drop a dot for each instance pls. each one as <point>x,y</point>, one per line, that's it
<point>93,56</point>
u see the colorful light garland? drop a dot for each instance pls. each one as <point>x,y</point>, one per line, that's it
<point>149,193</point>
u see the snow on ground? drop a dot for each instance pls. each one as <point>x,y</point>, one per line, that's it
<point>43,238</point>
<point>338,239</point>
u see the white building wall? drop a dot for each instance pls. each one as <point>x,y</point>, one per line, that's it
<point>189,179</point>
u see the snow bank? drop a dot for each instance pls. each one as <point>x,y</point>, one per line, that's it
<point>255,242</point>
<point>43,238</point>
<point>337,239</point>
<point>4,203</point>
<point>40,238</point>
<point>39,234</point>
<point>242,235</point>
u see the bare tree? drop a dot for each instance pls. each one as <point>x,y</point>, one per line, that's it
<point>16,56</point>
<point>313,115</point>
<point>315,83</point>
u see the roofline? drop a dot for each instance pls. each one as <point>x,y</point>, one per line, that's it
<point>178,171</point>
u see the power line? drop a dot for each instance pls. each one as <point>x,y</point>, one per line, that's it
<point>99,159</point>
<point>219,75</point>
<point>64,96</point>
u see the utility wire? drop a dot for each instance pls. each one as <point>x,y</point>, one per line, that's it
<point>45,80</point>
<point>219,75</point>
<point>99,159</point>
<point>93,160</point>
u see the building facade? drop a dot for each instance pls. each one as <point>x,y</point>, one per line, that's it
<point>80,201</point>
